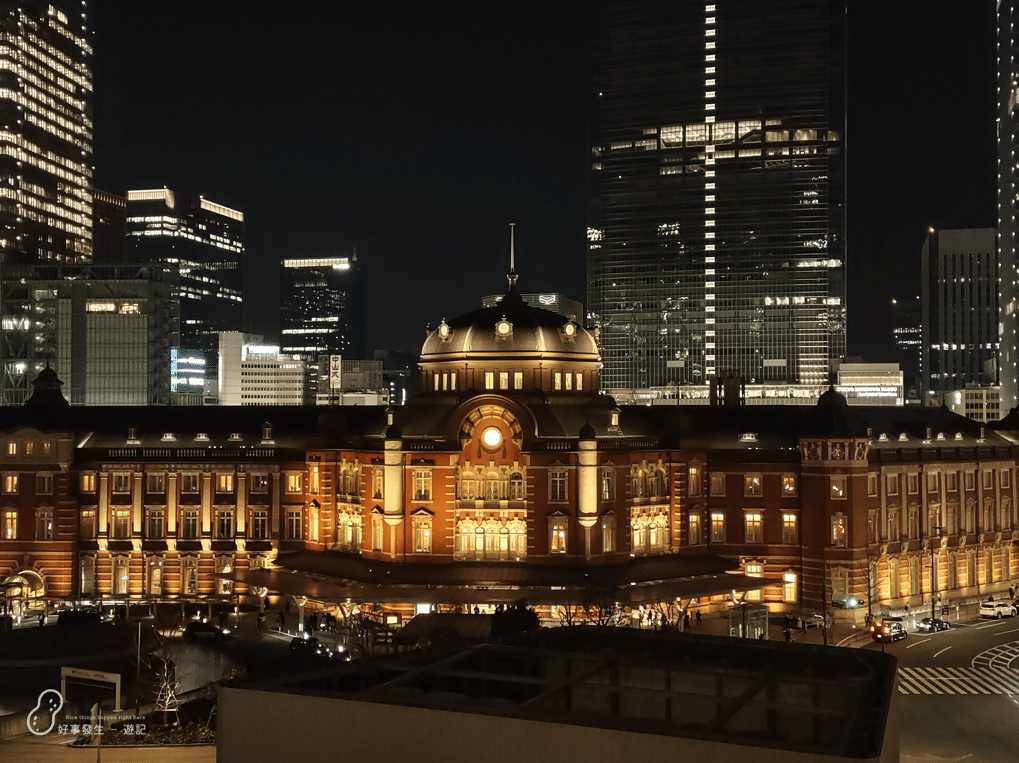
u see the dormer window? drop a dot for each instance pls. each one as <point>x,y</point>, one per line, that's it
<point>614,419</point>
<point>132,436</point>
<point>748,437</point>
<point>235,437</point>
<point>266,432</point>
<point>201,437</point>
<point>169,437</point>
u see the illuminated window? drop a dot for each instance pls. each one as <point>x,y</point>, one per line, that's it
<point>313,522</point>
<point>753,485</point>
<point>694,525</point>
<point>753,523</point>
<point>88,483</point>
<point>224,483</point>
<point>313,479</point>
<point>557,379</point>
<point>154,575</point>
<point>12,449</point>
<point>717,527</point>
<point>516,486</point>
<point>121,528</point>
<point>295,482</point>
<point>754,570</point>
<point>121,575</point>
<point>189,575</point>
<point>789,587</point>
<point>608,484</point>
<point>154,523</point>
<point>189,524</point>
<point>518,380</point>
<point>422,535</point>
<point>422,485</point>
<point>489,380</point>
<point>837,486</point>
<point>258,529</point>
<point>87,524</point>
<point>224,564</point>
<point>10,524</point>
<point>378,482</point>
<point>569,380</point>
<point>839,530</point>
<point>788,485</point>
<point>790,529</point>
<point>608,535</point>
<point>44,524</point>
<point>693,484</point>
<point>557,535</point>
<point>259,483</point>
<point>580,382</point>
<point>504,380</point>
<point>43,484</point>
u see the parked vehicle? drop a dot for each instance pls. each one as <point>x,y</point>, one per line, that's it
<point>309,645</point>
<point>997,609</point>
<point>931,625</point>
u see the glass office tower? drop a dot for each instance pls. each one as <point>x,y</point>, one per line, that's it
<point>717,219</point>
<point>1008,205</point>
<point>45,132</point>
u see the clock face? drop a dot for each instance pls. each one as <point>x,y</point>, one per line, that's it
<point>443,330</point>
<point>503,327</point>
<point>492,437</point>
<point>570,329</point>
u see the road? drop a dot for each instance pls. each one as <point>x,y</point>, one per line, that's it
<point>959,692</point>
<point>30,749</point>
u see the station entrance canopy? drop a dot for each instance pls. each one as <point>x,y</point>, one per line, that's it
<point>342,577</point>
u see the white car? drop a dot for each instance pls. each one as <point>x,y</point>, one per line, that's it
<point>998,609</point>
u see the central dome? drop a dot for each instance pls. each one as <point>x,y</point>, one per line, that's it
<point>510,347</point>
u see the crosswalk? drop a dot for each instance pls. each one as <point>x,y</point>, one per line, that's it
<point>980,680</point>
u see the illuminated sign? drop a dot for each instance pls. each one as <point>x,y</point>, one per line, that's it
<point>547,299</point>
<point>335,371</point>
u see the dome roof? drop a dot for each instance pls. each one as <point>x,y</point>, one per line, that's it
<point>510,328</point>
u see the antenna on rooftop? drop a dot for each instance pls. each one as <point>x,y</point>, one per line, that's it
<point>512,277</point>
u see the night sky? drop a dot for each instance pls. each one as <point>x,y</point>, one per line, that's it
<point>418,133</point>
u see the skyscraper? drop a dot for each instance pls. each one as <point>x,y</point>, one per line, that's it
<point>45,132</point>
<point>323,306</point>
<point>959,306</point>
<point>1008,205</point>
<point>717,219</point>
<point>205,242</point>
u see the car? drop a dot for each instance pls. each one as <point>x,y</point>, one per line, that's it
<point>997,609</point>
<point>309,645</point>
<point>888,630</point>
<point>199,631</point>
<point>931,625</point>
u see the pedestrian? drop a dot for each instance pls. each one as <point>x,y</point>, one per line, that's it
<point>42,619</point>
<point>698,617</point>
<point>907,609</point>
<point>286,603</point>
<point>788,634</point>
<point>1011,592</point>
<point>686,620</point>
<point>261,620</point>
<point>281,619</point>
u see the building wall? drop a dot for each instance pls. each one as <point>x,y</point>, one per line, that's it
<point>717,215</point>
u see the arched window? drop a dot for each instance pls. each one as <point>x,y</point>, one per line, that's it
<point>467,486</point>
<point>516,484</point>
<point>639,532</point>
<point>640,484</point>
<point>658,484</point>
<point>517,538</point>
<point>493,487</point>
<point>658,534</point>
<point>466,536</point>
<point>491,529</point>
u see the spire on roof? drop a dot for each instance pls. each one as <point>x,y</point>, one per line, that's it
<point>512,277</point>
